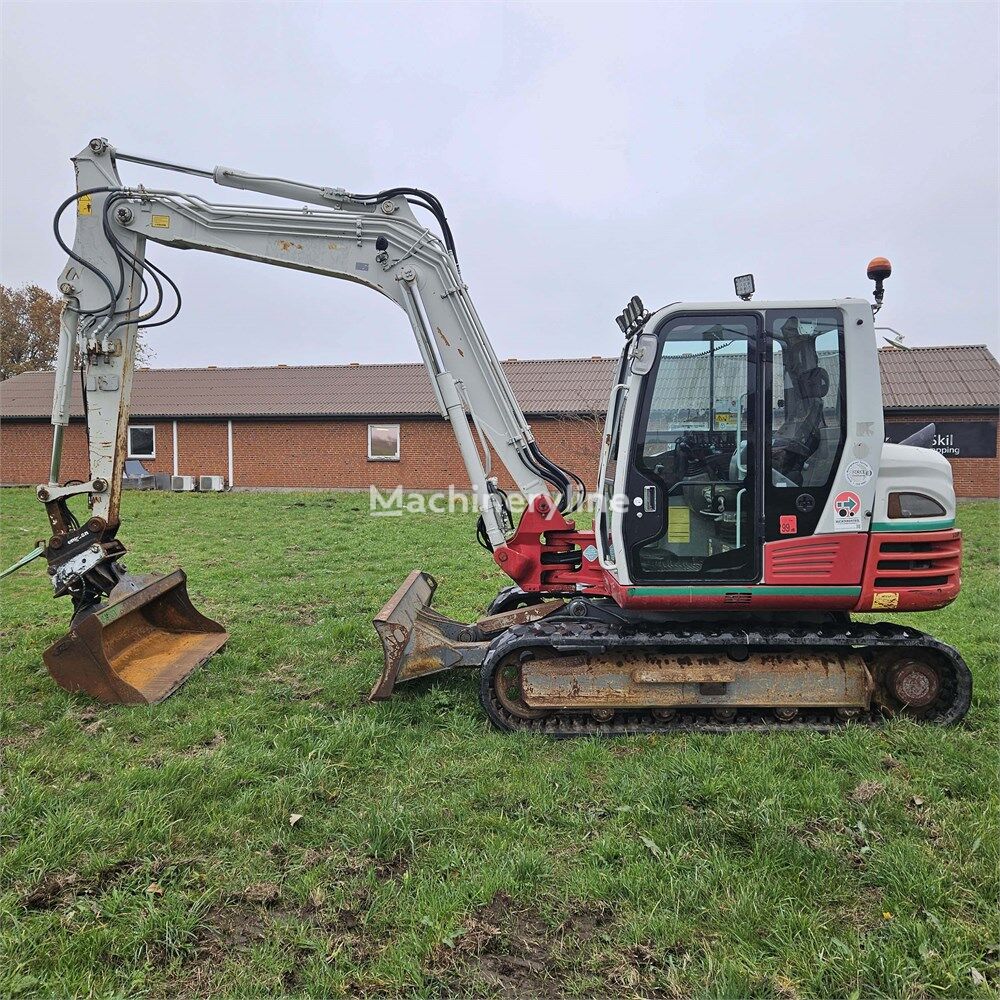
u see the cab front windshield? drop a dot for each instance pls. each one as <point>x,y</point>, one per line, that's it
<point>694,446</point>
<point>698,407</point>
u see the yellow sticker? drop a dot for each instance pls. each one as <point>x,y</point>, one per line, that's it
<point>85,205</point>
<point>885,600</point>
<point>160,221</point>
<point>724,419</point>
<point>679,525</point>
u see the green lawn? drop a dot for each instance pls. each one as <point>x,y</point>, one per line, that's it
<point>149,852</point>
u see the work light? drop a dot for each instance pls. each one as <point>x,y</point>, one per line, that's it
<point>744,286</point>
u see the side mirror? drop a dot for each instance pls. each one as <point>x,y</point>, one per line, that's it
<point>643,354</point>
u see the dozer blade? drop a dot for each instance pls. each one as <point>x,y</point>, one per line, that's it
<point>140,647</point>
<point>418,641</point>
<point>395,626</point>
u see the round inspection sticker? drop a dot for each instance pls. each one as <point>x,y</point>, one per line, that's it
<point>859,472</point>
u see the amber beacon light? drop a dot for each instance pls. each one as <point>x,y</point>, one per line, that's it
<point>879,269</point>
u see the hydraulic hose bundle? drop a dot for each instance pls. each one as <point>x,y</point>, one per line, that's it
<point>123,256</point>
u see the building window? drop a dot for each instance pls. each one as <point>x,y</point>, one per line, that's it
<point>383,442</point>
<point>142,442</point>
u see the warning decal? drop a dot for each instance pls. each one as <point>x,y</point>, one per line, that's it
<point>679,525</point>
<point>885,600</point>
<point>847,512</point>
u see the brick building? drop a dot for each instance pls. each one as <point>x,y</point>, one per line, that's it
<point>958,389</point>
<point>354,425</point>
<point>345,426</point>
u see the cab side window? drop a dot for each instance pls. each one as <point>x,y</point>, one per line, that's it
<point>807,418</point>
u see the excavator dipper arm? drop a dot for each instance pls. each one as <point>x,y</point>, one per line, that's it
<point>386,249</point>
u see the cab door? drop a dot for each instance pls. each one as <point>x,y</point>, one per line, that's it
<point>692,487</point>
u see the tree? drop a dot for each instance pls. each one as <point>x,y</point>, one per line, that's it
<point>29,331</point>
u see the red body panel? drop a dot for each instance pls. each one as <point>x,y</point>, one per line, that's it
<point>816,560</point>
<point>911,570</point>
<point>893,571</point>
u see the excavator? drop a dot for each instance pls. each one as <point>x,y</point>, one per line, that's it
<point>746,502</point>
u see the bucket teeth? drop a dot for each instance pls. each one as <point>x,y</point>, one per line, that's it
<point>138,648</point>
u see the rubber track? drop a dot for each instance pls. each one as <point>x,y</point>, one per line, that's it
<point>573,636</point>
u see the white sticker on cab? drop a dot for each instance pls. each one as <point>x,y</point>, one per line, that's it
<point>859,472</point>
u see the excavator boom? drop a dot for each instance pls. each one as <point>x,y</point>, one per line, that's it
<point>373,240</point>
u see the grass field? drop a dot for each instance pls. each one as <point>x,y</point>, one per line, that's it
<point>149,852</point>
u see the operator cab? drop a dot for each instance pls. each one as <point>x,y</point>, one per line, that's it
<point>728,413</point>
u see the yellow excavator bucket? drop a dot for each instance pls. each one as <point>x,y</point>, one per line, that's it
<point>140,647</point>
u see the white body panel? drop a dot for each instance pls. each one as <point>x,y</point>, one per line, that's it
<point>914,470</point>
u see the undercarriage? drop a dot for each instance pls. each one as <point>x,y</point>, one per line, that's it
<point>585,667</point>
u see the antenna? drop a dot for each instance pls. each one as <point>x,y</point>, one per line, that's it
<point>896,340</point>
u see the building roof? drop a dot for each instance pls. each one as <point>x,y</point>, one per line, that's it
<point>553,386</point>
<point>962,377</point>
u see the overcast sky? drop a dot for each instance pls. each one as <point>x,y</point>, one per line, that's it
<point>584,153</point>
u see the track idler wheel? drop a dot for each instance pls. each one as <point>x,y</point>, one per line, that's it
<point>915,684</point>
<point>509,691</point>
<point>909,685</point>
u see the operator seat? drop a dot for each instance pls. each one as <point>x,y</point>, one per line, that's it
<point>798,437</point>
